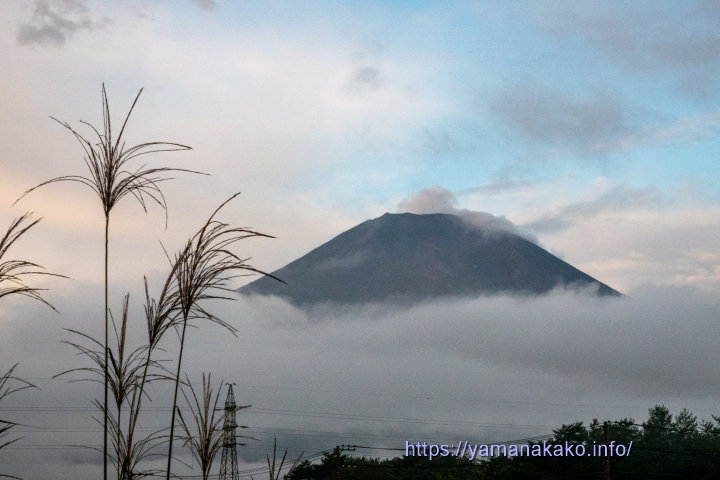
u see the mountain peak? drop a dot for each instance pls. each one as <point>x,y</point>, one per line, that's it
<point>415,257</point>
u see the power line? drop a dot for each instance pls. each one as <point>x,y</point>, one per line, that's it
<point>420,396</point>
<point>306,413</point>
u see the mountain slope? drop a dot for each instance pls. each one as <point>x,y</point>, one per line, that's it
<point>415,257</point>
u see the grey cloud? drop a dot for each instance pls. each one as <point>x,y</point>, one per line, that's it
<point>617,198</point>
<point>487,369</point>
<point>503,349</point>
<point>429,200</point>
<point>688,130</point>
<point>441,200</point>
<point>497,188</point>
<point>204,4</point>
<point>648,38</point>
<point>440,142</point>
<point>364,80</point>
<point>54,22</point>
<point>593,124</point>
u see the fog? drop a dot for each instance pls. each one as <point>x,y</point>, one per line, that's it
<point>482,369</point>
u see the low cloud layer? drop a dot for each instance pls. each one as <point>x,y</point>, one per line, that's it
<point>487,369</point>
<point>441,200</point>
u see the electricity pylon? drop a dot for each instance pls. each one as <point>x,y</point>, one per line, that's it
<point>229,462</point>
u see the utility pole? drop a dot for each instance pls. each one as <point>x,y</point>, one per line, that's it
<point>229,462</point>
<point>606,460</point>
<point>339,464</point>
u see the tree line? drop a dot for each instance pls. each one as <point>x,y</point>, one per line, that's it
<point>663,447</point>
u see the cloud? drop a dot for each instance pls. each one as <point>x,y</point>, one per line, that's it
<point>687,51</point>
<point>364,80</point>
<point>498,187</point>
<point>204,4</point>
<point>54,22</point>
<point>597,123</point>
<point>592,123</point>
<point>429,200</point>
<point>688,130</point>
<point>441,200</point>
<point>627,237</point>
<point>486,369</point>
<point>624,236</point>
<point>556,123</point>
<point>441,143</point>
<point>616,198</point>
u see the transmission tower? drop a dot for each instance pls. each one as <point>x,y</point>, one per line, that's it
<point>229,462</point>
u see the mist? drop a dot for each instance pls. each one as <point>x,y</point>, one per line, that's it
<point>483,369</point>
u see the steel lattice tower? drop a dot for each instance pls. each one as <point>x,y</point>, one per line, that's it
<point>229,462</point>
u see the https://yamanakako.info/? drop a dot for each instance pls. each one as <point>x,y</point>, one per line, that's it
<point>543,449</point>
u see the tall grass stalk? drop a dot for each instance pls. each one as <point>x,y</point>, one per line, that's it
<point>160,316</point>
<point>130,454</point>
<point>204,435</point>
<point>127,370</point>
<point>203,270</point>
<point>106,158</point>
<point>275,469</point>
<point>10,384</point>
<point>12,282</point>
<point>13,272</point>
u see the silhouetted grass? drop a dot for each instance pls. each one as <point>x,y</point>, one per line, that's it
<point>160,316</point>
<point>127,375</point>
<point>106,158</point>
<point>204,435</point>
<point>202,270</point>
<point>13,272</point>
<point>275,468</point>
<point>12,282</point>
<point>10,384</point>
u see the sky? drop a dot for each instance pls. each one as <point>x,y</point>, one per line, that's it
<point>591,127</point>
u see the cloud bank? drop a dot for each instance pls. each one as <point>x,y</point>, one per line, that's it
<point>487,369</point>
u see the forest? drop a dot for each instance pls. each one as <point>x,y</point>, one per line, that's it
<point>664,446</point>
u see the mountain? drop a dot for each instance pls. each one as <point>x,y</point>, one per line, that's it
<point>409,257</point>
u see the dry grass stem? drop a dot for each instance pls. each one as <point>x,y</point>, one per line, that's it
<point>275,469</point>
<point>110,177</point>
<point>127,377</point>
<point>106,160</point>
<point>203,433</point>
<point>203,270</point>
<point>13,272</point>
<point>10,384</point>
